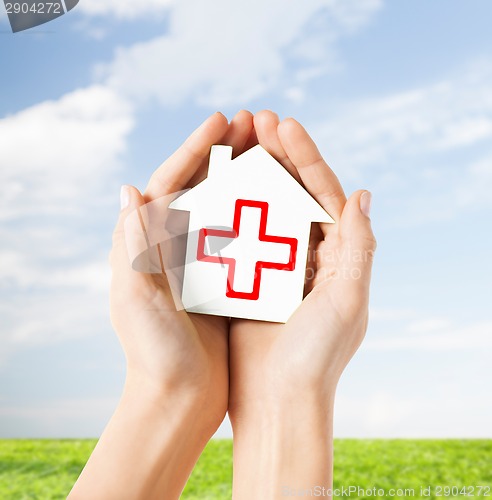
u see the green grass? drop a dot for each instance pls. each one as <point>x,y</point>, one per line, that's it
<point>46,469</point>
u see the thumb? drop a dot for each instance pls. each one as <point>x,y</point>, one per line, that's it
<point>357,237</point>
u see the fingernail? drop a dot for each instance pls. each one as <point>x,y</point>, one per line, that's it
<point>365,203</point>
<point>124,197</point>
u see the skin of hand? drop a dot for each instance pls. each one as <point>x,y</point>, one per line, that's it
<point>283,376</point>
<point>176,390</point>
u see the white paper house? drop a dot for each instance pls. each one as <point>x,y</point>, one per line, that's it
<point>248,237</point>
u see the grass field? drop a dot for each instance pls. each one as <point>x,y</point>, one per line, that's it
<point>46,469</point>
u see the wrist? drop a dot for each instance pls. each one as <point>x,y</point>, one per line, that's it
<point>154,435</point>
<point>253,401</point>
<point>286,444</point>
<point>183,402</point>
<point>281,412</point>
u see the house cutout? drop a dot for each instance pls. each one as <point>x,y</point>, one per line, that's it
<point>248,237</point>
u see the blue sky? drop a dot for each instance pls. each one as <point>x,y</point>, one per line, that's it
<point>399,98</point>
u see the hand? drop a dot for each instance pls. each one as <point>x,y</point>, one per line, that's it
<point>166,349</point>
<point>285,375</point>
<point>176,390</point>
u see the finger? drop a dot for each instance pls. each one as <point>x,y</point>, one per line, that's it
<point>358,238</point>
<point>236,136</point>
<point>316,175</point>
<point>266,123</point>
<point>239,132</point>
<point>174,174</point>
<point>252,140</point>
<point>122,272</point>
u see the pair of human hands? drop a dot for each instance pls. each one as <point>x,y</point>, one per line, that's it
<point>240,365</point>
<point>185,371</point>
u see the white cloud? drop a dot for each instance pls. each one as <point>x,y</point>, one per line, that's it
<point>23,269</point>
<point>124,9</point>
<point>440,117</point>
<point>221,53</point>
<point>428,325</point>
<point>59,159</point>
<point>452,413</point>
<point>434,334</point>
<point>474,189</point>
<point>427,149</point>
<point>52,151</point>
<point>52,316</point>
<point>76,418</point>
<point>368,415</point>
<point>387,314</point>
<point>417,376</point>
<point>295,94</point>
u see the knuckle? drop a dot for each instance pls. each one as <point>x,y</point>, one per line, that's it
<point>111,257</point>
<point>371,243</point>
<point>118,236</point>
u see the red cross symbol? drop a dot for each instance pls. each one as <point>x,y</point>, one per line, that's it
<point>231,262</point>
